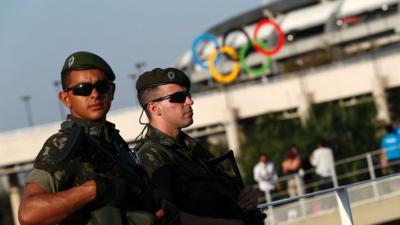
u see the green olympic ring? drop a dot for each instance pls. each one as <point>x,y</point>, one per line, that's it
<point>255,72</point>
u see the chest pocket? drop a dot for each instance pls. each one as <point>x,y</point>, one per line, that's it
<point>196,187</point>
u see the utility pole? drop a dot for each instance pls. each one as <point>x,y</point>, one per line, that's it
<point>26,99</point>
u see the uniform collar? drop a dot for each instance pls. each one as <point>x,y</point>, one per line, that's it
<point>94,128</point>
<point>158,136</point>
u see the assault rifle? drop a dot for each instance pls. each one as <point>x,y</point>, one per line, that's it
<point>251,217</point>
<point>80,144</point>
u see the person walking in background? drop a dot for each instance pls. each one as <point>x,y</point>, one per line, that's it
<point>292,165</point>
<point>390,154</point>
<point>264,173</point>
<point>323,161</point>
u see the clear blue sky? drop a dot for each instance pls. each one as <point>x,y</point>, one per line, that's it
<point>36,36</point>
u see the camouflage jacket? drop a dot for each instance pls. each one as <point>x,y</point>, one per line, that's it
<point>54,175</point>
<point>179,172</point>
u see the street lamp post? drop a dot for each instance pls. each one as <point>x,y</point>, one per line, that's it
<point>133,76</point>
<point>56,85</point>
<point>26,99</point>
<point>139,67</point>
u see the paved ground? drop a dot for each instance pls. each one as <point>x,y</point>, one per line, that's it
<point>370,212</point>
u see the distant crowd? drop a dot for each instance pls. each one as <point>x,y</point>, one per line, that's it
<point>293,167</point>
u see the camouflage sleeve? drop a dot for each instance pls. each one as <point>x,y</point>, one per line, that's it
<point>159,167</point>
<point>153,159</point>
<point>50,172</point>
<point>48,155</point>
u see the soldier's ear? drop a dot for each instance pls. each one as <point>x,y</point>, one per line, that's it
<point>154,108</point>
<point>158,109</point>
<point>64,98</point>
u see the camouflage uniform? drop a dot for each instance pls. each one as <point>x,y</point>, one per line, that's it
<point>54,175</point>
<point>179,172</point>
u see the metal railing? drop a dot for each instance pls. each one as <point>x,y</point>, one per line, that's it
<point>305,204</point>
<point>353,169</point>
<point>362,176</point>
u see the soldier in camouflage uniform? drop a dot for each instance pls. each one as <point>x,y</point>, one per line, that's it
<point>177,163</point>
<point>85,187</point>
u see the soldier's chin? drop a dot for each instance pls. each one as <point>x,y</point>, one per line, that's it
<point>98,115</point>
<point>190,122</point>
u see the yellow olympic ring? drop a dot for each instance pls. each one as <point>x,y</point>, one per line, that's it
<point>225,79</point>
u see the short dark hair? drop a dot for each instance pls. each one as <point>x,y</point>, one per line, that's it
<point>65,80</point>
<point>289,154</point>
<point>145,96</point>
<point>389,128</point>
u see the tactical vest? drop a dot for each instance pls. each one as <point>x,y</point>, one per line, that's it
<point>83,167</point>
<point>198,188</point>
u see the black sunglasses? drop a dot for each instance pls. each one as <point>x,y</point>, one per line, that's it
<point>84,89</point>
<point>177,97</point>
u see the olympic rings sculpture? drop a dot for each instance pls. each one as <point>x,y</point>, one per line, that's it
<point>239,61</point>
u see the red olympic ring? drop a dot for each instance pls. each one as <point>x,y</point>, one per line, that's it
<point>281,37</point>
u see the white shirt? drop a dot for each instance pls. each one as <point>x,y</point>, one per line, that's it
<point>265,175</point>
<point>323,161</point>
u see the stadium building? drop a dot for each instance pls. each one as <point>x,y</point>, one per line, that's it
<point>332,51</point>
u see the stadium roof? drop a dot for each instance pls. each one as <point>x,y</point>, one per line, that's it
<point>353,7</point>
<point>249,17</point>
<point>308,17</point>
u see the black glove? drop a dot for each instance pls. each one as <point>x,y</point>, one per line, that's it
<point>254,217</point>
<point>109,191</point>
<point>171,214</point>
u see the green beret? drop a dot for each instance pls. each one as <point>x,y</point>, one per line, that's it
<point>158,76</point>
<point>85,61</point>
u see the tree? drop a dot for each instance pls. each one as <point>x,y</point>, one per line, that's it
<point>348,130</point>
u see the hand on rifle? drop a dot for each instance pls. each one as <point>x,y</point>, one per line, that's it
<point>113,191</point>
<point>248,202</point>
<point>109,191</point>
<point>248,198</point>
<point>168,214</point>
